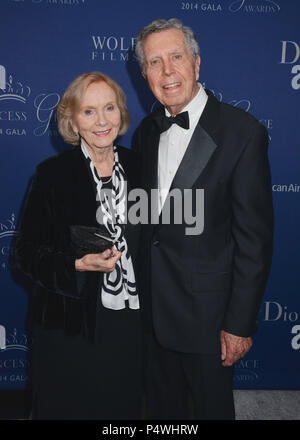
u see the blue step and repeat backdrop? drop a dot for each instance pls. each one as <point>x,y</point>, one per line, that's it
<point>250,52</point>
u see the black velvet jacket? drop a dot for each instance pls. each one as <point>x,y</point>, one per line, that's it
<point>62,194</point>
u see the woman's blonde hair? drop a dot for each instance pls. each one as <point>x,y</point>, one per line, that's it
<point>71,101</point>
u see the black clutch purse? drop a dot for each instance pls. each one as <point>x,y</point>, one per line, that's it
<point>90,240</point>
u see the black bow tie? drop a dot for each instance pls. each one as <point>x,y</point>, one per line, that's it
<point>164,122</point>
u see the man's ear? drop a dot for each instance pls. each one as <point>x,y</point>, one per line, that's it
<point>197,66</point>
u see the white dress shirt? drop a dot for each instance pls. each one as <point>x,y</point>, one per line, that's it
<point>174,142</point>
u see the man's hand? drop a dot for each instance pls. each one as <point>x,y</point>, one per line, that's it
<point>233,348</point>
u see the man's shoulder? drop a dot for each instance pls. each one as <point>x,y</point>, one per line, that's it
<point>130,161</point>
<point>148,121</point>
<point>230,112</point>
<point>127,155</point>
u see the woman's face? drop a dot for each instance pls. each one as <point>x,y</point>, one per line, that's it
<point>98,119</point>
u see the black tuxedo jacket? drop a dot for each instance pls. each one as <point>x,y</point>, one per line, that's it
<point>195,285</point>
<point>62,194</point>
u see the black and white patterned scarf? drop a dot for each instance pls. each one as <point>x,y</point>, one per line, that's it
<point>118,286</point>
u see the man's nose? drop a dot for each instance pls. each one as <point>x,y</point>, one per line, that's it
<point>167,67</point>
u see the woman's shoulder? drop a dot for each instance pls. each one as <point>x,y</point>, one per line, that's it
<point>57,159</point>
<point>56,165</point>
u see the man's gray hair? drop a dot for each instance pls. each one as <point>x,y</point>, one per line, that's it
<point>163,25</point>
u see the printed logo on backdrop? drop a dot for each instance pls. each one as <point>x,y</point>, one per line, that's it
<point>247,370</point>
<point>290,55</point>
<point>254,6</point>
<point>235,6</point>
<point>2,77</point>
<point>112,48</point>
<point>53,2</point>
<point>201,6</point>
<point>12,341</point>
<point>21,109</point>
<point>7,231</point>
<point>245,104</point>
<point>278,313</point>
<point>292,188</point>
<point>272,312</point>
<point>14,364</point>
<point>12,94</point>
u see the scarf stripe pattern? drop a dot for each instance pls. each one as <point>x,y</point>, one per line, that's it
<point>118,286</point>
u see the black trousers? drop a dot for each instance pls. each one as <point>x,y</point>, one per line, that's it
<point>186,386</point>
<point>76,379</point>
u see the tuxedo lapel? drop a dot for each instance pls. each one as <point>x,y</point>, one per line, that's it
<point>201,147</point>
<point>153,162</point>
<point>152,146</point>
<point>195,159</point>
<point>198,153</point>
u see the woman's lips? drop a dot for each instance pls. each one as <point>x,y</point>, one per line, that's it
<point>102,133</point>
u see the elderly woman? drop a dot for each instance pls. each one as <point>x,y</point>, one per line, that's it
<point>87,336</point>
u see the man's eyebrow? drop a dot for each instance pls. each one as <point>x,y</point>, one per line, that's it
<point>171,52</point>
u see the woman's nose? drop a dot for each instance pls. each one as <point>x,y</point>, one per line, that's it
<point>101,119</point>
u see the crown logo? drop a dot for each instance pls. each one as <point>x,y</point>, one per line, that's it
<point>8,228</point>
<point>14,91</point>
<point>13,341</point>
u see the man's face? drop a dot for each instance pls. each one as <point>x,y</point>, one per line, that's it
<point>170,69</point>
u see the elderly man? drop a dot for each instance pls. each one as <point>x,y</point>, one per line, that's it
<point>202,292</point>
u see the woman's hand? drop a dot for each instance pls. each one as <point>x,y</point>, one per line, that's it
<point>104,262</point>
